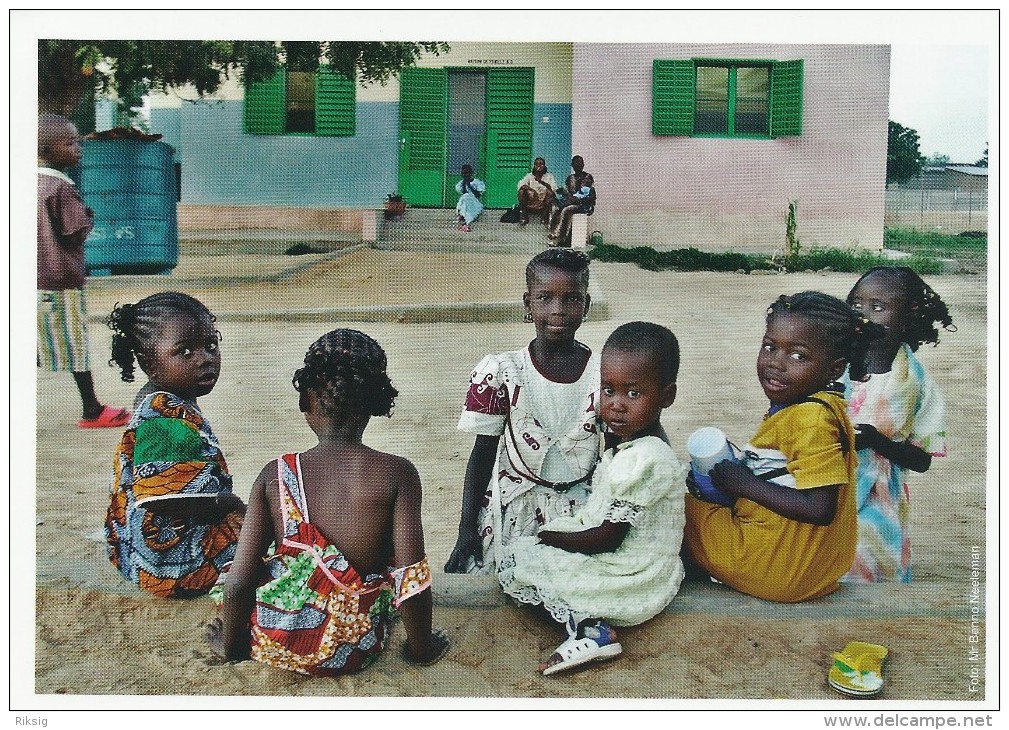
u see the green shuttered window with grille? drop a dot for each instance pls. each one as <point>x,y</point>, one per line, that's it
<point>703,97</point>
<point>322,103</point>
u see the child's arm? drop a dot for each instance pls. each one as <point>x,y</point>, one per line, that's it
<point>901,453</point>
<point>602,539</point>
<point>478,475</point>
<point>423,646</point>
<point>815,506</point>
<point>234,640</point>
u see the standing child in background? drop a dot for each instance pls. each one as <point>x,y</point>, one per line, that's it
<point>63,225</point>
<point>616,560</point>
<point>533,412</point>
<point>790,539</point>
<point>323,602</point>
<point>173,521</point>
<point>899,416</point>
<point>469,207</point>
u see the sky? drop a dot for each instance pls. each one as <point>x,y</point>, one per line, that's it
<point>942,92</point>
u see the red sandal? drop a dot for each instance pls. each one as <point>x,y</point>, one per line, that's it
<point>108,418</point>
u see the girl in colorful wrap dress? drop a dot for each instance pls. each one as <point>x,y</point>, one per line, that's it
<point>172,523</point>
<point>899,416</point>
<point>322,601</point>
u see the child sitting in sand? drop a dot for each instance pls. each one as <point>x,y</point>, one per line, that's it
<point>899,416</point>
<point>533,413</point>
<point>172,524</point>
<point>616,560</point>
<point>310,606</point>
<point>792,539</point>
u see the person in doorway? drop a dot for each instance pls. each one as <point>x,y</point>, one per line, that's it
<point>470,206</point>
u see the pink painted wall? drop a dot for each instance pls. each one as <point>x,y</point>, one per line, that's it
<point>732,194</point>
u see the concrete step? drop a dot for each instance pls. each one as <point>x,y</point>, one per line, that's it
<point>436,229</point>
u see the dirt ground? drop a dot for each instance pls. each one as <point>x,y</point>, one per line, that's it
<point>96,636</point>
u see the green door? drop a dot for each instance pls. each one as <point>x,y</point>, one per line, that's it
<point>509,132</point>
<point>423,100</point>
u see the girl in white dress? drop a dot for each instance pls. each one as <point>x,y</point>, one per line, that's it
<point>616,560</point>
<point>533,412</point>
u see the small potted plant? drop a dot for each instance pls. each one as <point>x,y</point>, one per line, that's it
<point>395,206</point>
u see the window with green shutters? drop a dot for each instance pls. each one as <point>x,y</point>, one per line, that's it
<point>322,103</point>
<point>702,97</point>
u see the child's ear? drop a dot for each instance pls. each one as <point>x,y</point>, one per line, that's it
<point>668,395</point>
<point>525,301</point>
<point>837,368</point>
<point>144,361</point>
<point>588,303</point>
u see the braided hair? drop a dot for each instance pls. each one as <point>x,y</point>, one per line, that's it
<point>923,307</point>
<point>655,340</point>
<point>136,326</point>
<point>346,369</point>
<point>565,259</point>
<point>847,333</point>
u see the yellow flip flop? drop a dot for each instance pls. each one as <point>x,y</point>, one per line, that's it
<point>857,670</point>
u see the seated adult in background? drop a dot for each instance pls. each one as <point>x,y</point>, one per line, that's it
<point>536,192</point>
<point>577,196</point>
<point>470,190</point>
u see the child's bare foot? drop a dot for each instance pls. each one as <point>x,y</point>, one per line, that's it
<point>213,633</point>
<point>440,644</point>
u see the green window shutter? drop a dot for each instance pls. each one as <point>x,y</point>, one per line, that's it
<point>673,90</point>
<point>509,132</point>
<point>266,105</point>
<point>786,99</point>
<point>335,104</point>
<point>423,145</point>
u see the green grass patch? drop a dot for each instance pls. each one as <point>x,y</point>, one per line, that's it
<point>815,259</point>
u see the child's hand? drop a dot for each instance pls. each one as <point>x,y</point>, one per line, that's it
<point>213,633</point>
<point>867,437</point>
<point>703,487</point>
<point>466,547</point>
<point>437,648</point>
<point>727,474</point>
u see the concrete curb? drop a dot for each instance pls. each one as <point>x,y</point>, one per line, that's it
<point>868,602</point>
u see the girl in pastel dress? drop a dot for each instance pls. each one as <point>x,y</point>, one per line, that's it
<point>615,561</point>
<point>899,416</point>
<point>172,524</point>
<point>533,414</point>
<point>345,524</point>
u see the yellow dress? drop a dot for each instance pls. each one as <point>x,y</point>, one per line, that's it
<point>764,554</point>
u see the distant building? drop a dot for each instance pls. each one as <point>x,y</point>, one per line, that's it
<point>699,145</point>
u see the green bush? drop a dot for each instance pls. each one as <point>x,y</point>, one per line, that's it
<point>816,259</point>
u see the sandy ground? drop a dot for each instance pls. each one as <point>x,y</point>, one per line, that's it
<point>95,635</point>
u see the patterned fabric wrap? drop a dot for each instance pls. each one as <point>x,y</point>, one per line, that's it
<point>168,449</point>
<point>904,405</point>
<point>315,614</point>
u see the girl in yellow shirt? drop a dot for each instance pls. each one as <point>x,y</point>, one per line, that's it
<point>791,539</point>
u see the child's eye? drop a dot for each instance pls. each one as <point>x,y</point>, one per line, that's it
<point>633,393</point>
<point>797,356</point>
<point>212,345</point>
<point>766,348</point>
<point>877,307</point>
<point>187,352</point>
<point>857,307</point>
<point>607,391</point>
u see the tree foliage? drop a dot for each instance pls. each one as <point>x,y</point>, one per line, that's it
<point>903,157</point>
<point>983,162</point>
<point>68,68</point>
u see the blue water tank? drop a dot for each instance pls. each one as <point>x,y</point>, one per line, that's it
<point>130,184</point>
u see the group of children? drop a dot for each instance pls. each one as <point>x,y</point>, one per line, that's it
<point>572,496</point>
